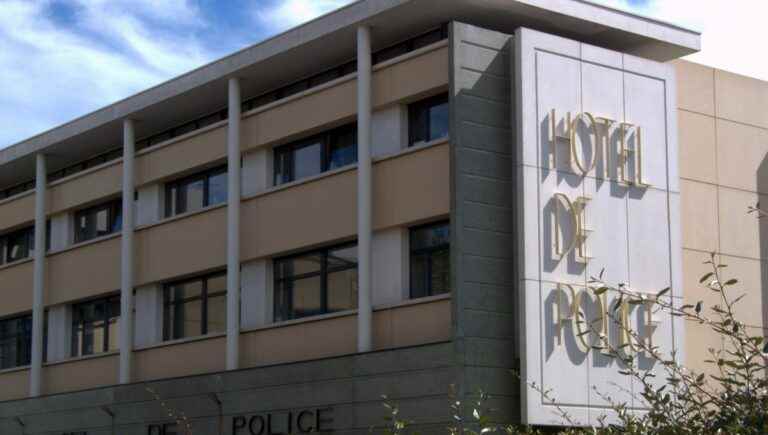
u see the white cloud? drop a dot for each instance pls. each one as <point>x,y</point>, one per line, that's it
<point>50,74</point>
<point>288,13</point>
<point>731,30</point>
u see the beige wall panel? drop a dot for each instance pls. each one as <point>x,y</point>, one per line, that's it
<point>741,99</point>
<point>334,105</point>
<point>693,269</point>
<point>303,341</point>
<point>17,212</point>
<point>325,210</point>
<point>90,270</point>
<point>411,188</point>
<point>752,284</point>
<point>741,234</point>
<point>15,385</point>
<point>300,216</point>
<point>742,153</point>
<point>304,115</point>
<point>697,147</point>
<point>81,374</point>
<point>695,87</point>
<point>185,359</point>
<point>90,188</point>
<point>698,338</point>
<point>183,246</point>
<point>16,289</point>
<point>396,327</point>
<point>416,76</point>
<point>423,323</point>
<point>190,153</point>
<point>699,215</point>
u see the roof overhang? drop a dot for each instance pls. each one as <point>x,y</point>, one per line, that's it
<point>329,40</point>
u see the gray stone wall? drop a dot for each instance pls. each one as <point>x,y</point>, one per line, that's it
<point>418,378</point>
<point>483,228</point>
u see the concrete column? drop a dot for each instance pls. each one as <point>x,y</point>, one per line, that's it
<point>38,290</point>
<point>126,253</point>
<point>233,226</point>
<point>364,191</point>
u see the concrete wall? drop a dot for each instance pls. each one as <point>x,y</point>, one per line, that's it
<point>482,224</point>
<point>723,128</point>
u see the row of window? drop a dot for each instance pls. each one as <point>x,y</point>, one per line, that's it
<point>304,158</point>
<point>323,77</point>
<point>308,284</point>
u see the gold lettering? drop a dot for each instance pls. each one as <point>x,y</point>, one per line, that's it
<point>579,233</point>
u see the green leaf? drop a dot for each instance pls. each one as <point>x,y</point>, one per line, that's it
<point>731,281</point>
<point>663,292</point>
<point>600,290</point>
<point>699,305</point>
<point>706,277</point>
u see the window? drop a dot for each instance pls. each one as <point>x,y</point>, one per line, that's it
<point>98,221</point>
<point>19,244</point>
<point>196,192</point>
<point>428,120</point>
<point>195,307</point>
<point>15,342</point>
<point>318,282</point>
<point>315,155</point>
<point>430,260</point>
<point>95,326</point>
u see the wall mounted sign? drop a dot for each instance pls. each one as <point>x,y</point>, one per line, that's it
<point>598,190</point>
<point>291,422</point>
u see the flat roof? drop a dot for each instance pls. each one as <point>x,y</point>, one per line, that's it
<point>324,42</point>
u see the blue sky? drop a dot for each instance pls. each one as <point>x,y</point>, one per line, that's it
<point>60,59</point>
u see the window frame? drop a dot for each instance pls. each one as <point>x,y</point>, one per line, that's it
<point>326,140</point>
<point>323,272</point>
<point>204,176</point>
<point>203,297</point>
<point>23,341</point>
<point>429,252</point>
<point>109,320</point>
<point>415,108</point>
<point>114,210</point>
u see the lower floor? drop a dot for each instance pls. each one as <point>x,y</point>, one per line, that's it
<point>340,395</point>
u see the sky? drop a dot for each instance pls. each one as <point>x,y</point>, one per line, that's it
<point>61,59</point>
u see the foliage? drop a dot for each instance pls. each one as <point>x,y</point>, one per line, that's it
<point>731,398</point>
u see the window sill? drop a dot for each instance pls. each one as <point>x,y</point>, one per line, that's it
<point>14,370</point>
<point>180,217</point>
<point>16,263</point>
<point>180,341</point>
<point>352,167</point>
<point>347,313</point>
<point>82,358</point>
<point>114,235</point>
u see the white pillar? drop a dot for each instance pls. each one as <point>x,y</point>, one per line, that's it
<point>38,304</point>
<point>126,253</point>
<point>233,226</point>
<point>364,191</point>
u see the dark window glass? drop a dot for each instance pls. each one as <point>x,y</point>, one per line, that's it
<point>392,52</point>
<point>98,221</point>
<point>196,192</point>
<point>317,282</point>
<point>330,150</point>
<point>428,120</point>
<point>430,260</point>
<point>19,244</point>
<point>95,326</point>
<point>15,342</point>
<point>195,307</point>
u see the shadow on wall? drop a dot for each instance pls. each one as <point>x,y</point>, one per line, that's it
<point>762,187</point>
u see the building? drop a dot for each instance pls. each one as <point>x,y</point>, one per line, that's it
<point>397,197</point>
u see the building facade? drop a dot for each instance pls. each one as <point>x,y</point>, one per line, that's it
<point>401,198</point>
